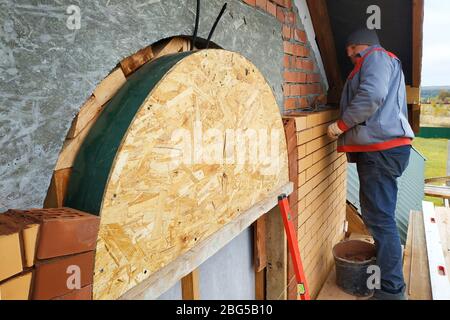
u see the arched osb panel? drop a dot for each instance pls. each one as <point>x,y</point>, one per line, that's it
<point>152,210</point>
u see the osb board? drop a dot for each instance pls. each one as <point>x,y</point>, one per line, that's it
<point>152,211</point>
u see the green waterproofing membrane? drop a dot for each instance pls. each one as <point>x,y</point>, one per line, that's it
<point>434,132</point>
<point>96,155</point>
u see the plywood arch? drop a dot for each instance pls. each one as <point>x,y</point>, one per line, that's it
<point>152,210</point>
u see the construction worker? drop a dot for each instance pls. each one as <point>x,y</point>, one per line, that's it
<point>374,132</point>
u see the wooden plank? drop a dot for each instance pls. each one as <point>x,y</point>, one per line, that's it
<point>443,221</point>
<point>276,273</point>
<point>190,286</point>
<point>71,147</point>
<point>325,40</point>
<point>290,125</point>
<point>437,191</point>
<point>413,95</point>
<point>260,257</point>
<point>440,285</point>
<point>260,284</point>
<point>134,62</point>
<point>89,111</point>
<point>57,189</point>
<point>109,86</point>
<point>419,286</point>
<point>407,254</point>
<point>173,45</point>
<point>417,41</point>
<point>162,280</point>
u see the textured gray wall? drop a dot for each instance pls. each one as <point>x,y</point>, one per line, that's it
<point>230,274</point>
<point>47,71</point>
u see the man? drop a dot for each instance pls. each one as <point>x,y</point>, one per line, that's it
<point>374,131</point>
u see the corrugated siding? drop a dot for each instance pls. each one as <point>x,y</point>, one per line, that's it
<point>410,190</point>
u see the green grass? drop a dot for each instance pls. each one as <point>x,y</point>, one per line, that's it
<point>435,151</point>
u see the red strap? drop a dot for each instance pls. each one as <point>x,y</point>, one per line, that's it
<point>360,61</point>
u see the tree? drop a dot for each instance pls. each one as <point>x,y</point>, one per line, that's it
<point>443,94</point>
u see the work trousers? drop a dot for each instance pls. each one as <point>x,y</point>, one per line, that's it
<point>378,172</point>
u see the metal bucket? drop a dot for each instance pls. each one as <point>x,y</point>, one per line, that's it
<point>352,258</point>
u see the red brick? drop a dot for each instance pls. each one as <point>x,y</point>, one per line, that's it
<point>63,231</point>
<point>271,8</point>
<point>287,32</point>
<point>290,18</point>
<point>287,61</point>
<point>301,77</point>
<point>308,65</point>
<point>304,103</point>
<point>51,276</point>
<point>250,2</point>
<point>288,47</point>
<point>287,3</point>
<point>281,15</point>
<point>286,90</point>
<point>290,76</point>
<point>261,4</point>
<point>84,293</point>
<point>290,104</point>
<point>300,35</point>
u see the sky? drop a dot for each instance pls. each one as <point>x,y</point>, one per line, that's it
<point>436,43</point>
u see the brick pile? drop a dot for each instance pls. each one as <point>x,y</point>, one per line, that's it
<point>47,254</point>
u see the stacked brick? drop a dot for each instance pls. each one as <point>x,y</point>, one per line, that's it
<point>321,197</point>
<point>302,80</point>
<point>47,254</point>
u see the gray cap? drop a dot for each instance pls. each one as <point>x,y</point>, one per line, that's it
<point>363,36</point>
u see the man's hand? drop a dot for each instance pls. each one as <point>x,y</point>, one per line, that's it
<point>334,131</point>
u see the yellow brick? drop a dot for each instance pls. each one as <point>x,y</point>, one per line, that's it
<point>305,163</point>
<point>304,136</point>
<point>300,123</point>
<point>301,151</point>
<point>317,167</point>
<point>317,118</point>
<point>324,151</point>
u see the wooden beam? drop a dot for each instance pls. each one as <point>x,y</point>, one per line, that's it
<point>57,190</point>
<point>437,191</point>
<point>325,40</point>
<point>109,86</point>
<point>163,279</point>
<point>260,257</point>
<point>260,285</point>
<point>413,95</point>
<point>276,274</point>
<point>417,41</point>
<point>90,110</point>
<point>174,45</point>
<point>190,286</point>
<point>134,62</point>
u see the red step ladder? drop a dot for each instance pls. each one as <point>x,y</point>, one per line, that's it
<point>302,287</point>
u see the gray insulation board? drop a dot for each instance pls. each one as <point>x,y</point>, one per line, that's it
<point>48,71</point>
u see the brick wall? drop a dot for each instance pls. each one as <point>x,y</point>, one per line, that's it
<point>321,196</point>
<point>302,80</point>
